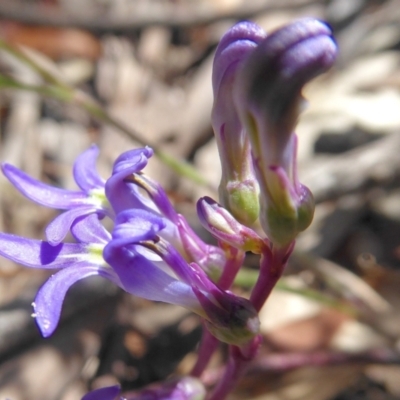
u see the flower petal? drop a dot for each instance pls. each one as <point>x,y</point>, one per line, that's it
<point>133,226</point>
<point>234,46</point>
<point>142,278</point>
<point>138,157</point>
<point>59,227</point>
<point>49,299</point>
<point>123,195</point>
<point>88,229</point>
<point>85,173</point>
<point>40,254</point>
<point>41,193</point>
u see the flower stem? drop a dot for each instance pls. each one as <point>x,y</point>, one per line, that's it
<point>234,370</point>
<point>233,263</point>
<point>207,347</point>
<point>273,262</point>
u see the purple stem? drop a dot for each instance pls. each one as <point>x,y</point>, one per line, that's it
<point>233,371</point>
<point>208,345</point>
<point>272,264</point>
<point>233,263</point>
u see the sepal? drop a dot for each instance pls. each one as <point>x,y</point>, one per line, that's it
<point>231,319</point>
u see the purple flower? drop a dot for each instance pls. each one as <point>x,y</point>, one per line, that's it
<point>179,232</point>
<point>108,198</point>
<point>171,279</point>
<point>268,97</point>
<point>238,190</point>
<point>139,255</point>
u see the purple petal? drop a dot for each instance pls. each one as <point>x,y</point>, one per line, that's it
<point>135,156</point>
<point>158,197</point>
<point>234,46</point>
<point>41,193</point>
<point>133,226</point>
<point>143,279</point>
<point>123,195</point>
<point>85,173</point>
<point>59,227</point>
<point>106,393</point>
<point>308,58</point>
<point>40,254</point>
<point>207,256</point>
<point>88,229</point>
<point>276,70</point>
<point>49,299</point>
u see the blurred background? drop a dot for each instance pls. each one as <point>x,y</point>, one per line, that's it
<point>332,327</point>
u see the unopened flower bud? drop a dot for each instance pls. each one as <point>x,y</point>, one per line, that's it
<point>238,190</point>
<point>223,225</point>
<point>268,98</point>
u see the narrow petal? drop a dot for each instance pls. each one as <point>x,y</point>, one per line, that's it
<point>143,279</point>
<point>138,157</point>
<point>49,299</point>
<point>60,226</point>
<point>133,226</point>
<point>123,195</point>
<point>41,193</point>
<point>234,46</point>
<point>85,173</point>
<point>40,254</point>
<point>88,229</point>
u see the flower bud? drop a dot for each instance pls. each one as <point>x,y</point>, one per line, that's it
<point>222,224</point>
<point>238,190</point>
<point>268,98</point>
